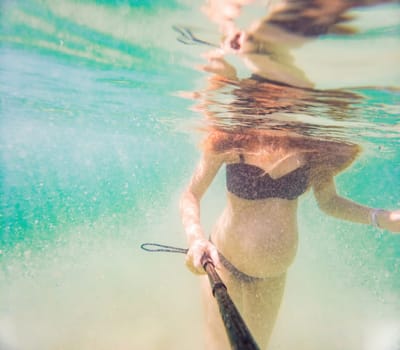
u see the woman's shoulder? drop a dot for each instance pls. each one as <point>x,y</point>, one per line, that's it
<point>220,157</point>
<point>333,156</point>
<point>339,150</point>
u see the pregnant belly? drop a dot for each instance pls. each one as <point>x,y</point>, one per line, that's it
<point>260,245</point>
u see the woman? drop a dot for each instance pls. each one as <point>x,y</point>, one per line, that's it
<point>255,239</point>
<point>269,162</point>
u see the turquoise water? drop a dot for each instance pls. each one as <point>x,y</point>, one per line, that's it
<point>96,146</point>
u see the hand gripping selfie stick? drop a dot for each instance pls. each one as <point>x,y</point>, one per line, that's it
<point>239,335</point>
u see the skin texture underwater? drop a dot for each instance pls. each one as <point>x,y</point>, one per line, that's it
<point>255,239</point>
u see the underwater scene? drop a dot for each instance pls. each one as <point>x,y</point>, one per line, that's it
<point>103,108</point>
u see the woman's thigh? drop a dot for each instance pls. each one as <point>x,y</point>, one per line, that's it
<point>215,334</point>
<point>260,303</point>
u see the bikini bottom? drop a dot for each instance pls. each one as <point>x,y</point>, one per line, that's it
<point>237,273</point>
<point>241,276</point>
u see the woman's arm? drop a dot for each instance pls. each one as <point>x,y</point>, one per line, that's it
<point>189,206</point>
<point>332,204</point>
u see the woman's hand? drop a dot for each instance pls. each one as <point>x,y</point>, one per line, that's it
<point>389,220</point>
<point>199,250</point>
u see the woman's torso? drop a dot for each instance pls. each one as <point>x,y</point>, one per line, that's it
<point>259,236</point>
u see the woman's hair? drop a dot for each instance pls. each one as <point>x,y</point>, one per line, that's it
<point>325,157</point>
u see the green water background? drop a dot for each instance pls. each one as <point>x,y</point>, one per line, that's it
<point>96,147</point>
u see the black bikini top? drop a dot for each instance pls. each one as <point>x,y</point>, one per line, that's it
<point>251,182</point>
